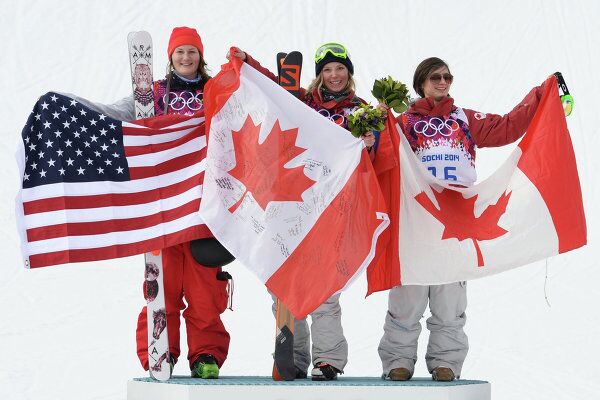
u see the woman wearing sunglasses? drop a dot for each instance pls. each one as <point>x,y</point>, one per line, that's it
<point>331,94</point>
<point>444,137</point>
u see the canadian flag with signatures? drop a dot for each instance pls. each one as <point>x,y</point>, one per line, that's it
<point>529,209</point>
<point>291,195</point>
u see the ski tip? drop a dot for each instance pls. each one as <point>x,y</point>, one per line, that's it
<point>275,374</point>
<point>295,55</point>
<point>161,377</point>
<point>278,377</point>
<point>162,373</point>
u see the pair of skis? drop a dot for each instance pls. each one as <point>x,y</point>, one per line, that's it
<point>159,358</point>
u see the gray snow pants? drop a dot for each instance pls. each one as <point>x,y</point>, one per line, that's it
<point>328,342</point>
<point>448,344</point>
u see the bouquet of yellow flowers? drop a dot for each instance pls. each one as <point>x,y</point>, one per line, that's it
<point>364,119</point>
<point>392,93</point>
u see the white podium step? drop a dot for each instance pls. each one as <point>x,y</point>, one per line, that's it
<point>264,388</point>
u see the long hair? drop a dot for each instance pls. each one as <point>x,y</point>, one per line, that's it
<point>318,84</point>
<point>424,69</point>
<point>202,71</point>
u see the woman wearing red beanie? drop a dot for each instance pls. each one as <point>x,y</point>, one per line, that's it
<point>181,92</point>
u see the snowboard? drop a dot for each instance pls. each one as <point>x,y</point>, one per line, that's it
<point>289,68</point>
<point>140,60</point>
<point>139,45</point>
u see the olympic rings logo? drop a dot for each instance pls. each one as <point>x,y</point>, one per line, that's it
<point>339,119</point>
<point>436,125</point>
<point>178,101</point>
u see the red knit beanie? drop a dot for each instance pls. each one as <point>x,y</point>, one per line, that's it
<point>183,35</point>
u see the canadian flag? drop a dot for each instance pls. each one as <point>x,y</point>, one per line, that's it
<point>291,195</point>
<point>529,209</point>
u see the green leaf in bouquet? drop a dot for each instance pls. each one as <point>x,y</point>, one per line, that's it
<point>392,93</point>
<point>377,92</point>
<point>399,86</point>
<point>401,108</point>
<point>356,132</point>
<point>395,103</point>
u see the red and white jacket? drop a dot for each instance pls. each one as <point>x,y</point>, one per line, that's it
<point>336,110</point>
<point>445,137</point>
<point>185,97</point>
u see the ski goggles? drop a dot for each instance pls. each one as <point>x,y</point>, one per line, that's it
<point>335,49</point>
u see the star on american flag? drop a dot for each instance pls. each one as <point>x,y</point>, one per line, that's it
<point>71,144</point>
<point>94,187</point>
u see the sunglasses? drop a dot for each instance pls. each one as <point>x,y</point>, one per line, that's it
<point>436,78</point>
<point>335,49</point>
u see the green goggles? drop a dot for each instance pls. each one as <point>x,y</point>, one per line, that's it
<point>335,49</point>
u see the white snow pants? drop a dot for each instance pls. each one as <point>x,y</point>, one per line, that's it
<point>448,344</point>
<point>328,342</point>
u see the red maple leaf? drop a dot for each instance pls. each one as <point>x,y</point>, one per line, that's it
<point>260,167</point>
<point>457,215</point>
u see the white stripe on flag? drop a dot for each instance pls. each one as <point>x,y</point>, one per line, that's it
<point>108,187</point>
<point>187,122</point>
<point>113,238</point>
<point>157,138</point>
<point>149,160</point>
<point>111,213</point>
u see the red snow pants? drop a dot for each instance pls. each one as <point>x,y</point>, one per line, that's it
<point>206,298</point>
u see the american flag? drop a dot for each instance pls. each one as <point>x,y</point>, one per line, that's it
<point>96,188</point>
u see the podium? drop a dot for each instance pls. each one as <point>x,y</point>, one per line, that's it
<point>264,388</point>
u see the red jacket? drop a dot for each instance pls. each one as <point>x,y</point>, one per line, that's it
<point>445,137</point>
<point>335,110</point>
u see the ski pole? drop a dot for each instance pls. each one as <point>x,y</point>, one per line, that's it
<point>566,98</point>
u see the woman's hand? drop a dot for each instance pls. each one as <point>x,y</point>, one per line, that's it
<point>383,108</point>
<point>368,139</point>
<point>236,53</point>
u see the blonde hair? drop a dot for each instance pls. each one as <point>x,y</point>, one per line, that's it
<point>318,84</point>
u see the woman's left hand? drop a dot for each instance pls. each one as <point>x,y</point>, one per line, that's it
<point>236,53</point>
<point>383,108</point>
<point>368,139</point>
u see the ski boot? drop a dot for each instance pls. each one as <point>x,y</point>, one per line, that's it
<point>205,367</point>
<point>324,372</point>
